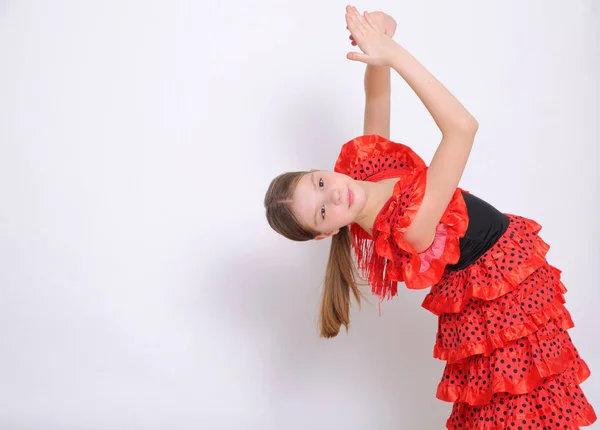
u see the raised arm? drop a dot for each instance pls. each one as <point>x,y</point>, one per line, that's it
<point>377,101</point>
<point>458,129</point>
<point>457,125</point>
<point>378,86</point>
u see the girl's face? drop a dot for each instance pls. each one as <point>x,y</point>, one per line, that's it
<point>327,201</point>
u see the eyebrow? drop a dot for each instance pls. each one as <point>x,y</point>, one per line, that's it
<point>312,179</point>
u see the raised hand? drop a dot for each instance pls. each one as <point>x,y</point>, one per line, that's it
<point>377,48</point>
<point>382,20</point>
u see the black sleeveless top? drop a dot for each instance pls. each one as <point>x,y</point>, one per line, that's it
<point>486,225</point>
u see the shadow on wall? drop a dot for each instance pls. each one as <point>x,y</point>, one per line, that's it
<point>380,374</point>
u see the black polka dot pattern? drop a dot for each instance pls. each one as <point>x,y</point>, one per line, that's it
<point>401,257</point>
<point>557,403</point>
<point>515,368</point>
<point>372,166</point>
<point>366,157</point>
<point>502,330</point>
<point>484,325</point>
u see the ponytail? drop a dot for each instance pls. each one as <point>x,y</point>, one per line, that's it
<point>339,281</point>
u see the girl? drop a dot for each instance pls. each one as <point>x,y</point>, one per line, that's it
<point>502,322</point>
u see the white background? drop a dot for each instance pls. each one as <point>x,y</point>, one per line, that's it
<point>140,285</point>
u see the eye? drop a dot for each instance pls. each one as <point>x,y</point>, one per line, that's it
<point>323,212</point>
<point>321,184</point>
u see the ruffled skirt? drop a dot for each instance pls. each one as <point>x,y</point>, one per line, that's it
<point>510,363</point>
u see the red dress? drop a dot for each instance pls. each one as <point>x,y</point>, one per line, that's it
<point>510,363</point>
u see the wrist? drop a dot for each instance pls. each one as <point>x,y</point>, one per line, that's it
<point>377,69</point>
<point>397,56</point>
<point>377,81</point>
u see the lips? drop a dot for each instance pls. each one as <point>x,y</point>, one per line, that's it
<point>350,197</point>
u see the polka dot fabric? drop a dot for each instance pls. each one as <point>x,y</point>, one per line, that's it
<point>502,330</point>
<point>484,325</point>
<point>366,157</point>
<point>516,368</point>
<point>556,403</point>
<point>502,321</point>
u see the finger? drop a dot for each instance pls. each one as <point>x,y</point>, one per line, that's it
<point>371,23</point>
<point>357,56</point>
<point>348,18</point>
<point>355,16</point>
<point>348,10</point>
<point>356,22</point>
<point>360,18</point>
<point>351,18</point>
<point>369,20</point>
<point>354,25</point>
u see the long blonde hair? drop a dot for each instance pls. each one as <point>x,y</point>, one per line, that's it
<point>340,276</point>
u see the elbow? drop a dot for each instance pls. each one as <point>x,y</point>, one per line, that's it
<point>473,125</point>
<point>467,126</point>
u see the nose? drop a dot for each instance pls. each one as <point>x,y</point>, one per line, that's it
<point>336,196</point>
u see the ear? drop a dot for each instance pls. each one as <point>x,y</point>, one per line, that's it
<point>326,235</point>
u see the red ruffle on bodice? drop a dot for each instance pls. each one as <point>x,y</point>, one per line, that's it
<point>385,258</point>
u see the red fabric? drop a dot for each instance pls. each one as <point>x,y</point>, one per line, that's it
<point>510,363</point>
<point>503,267</point>
<point>516,368</point>
<point>386,258</point>
<point>556,403</point>
<point>484,325</point>
<point>374,158</point>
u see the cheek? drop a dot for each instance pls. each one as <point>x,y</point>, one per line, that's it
<point>342,214</point>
